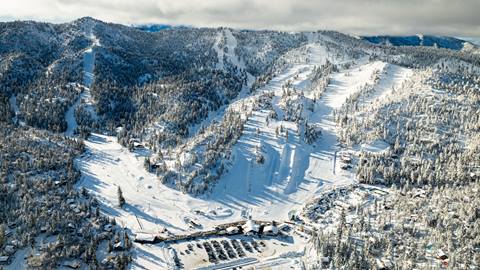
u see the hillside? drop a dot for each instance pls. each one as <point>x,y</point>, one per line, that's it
<point>418,40</point>
<point>215,148</point>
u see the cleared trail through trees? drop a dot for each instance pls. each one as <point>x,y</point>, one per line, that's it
<point>88,78</point>
<point>16,111</point>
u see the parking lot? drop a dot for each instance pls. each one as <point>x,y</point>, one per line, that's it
<point>232,250</point>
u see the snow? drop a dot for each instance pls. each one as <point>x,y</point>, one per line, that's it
<point>473,40</point>
<point>376,146</point>
<point>88,78</point>
<point>230,43</point>
<point>13,105</point>
<point>218,50</point>
<point>18,261</point>
<point>278,253</point>
<point>393,78</point>
<point>293,171</point>
<point>70,118</point>
<point>292,174</point>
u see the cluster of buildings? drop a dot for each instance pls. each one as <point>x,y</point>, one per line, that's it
<point>246,227</point>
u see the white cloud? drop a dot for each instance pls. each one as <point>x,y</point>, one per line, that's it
<point>354,16</point>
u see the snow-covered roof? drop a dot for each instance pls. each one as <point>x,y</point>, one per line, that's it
<point>250,226</point>
<point>283,226</point>
<point>145,237</point>
<point>75,264</point>
<point>232,229</point>
<point>9,248</point>
<point>270,229</point>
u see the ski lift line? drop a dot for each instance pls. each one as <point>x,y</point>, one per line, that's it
<point>139,223</point>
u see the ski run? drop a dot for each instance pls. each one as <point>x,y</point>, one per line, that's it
<point>292,173</point>
<point>88,77</point>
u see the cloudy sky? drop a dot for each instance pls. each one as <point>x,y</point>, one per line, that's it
<point>446,17</point>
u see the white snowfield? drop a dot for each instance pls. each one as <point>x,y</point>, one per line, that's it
<point>224,46</point>
<point>293,171</point>
<point>16,111</point>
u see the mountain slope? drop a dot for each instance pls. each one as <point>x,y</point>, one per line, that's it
<point>186,130</point>
<point>418,40</point>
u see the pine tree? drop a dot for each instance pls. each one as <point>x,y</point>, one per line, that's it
<point>2,235</point>
<point>121,199</point>
<point>146,164</point>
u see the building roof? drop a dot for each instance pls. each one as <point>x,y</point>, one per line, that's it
<point>72,264</point>
<point>250,226</point>
<point>232,229</point>
<point>144,237</point>
<point>271,229</point>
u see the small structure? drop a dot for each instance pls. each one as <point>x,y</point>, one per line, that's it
<point>72,264</point>
<point>441,255</point>
<point>9,249</point>
<point>232,230</point>
<point>144,238</point>
<point>284,227</point>
<point>292,215</point>
<point>108,227</point>
<point>70,201</point>
<point>384,264</point>
<point>346,159</point>
<point>108,261</point>
<point>71,227</point>
<point>270,230</point>
<point>325,261</point>
<point>250,227</point>
<point>120,246</point>
<point>345,166</point>
<point>136,143</point>
<point>4,260</point>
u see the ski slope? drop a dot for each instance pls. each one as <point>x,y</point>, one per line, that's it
<point>230,43</point>
<point>16,111</point>
<point>224,46</point>
<point>88,77</point>
<point>293,171</point>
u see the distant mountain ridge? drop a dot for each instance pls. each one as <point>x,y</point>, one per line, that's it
<point>153,27</point>
<point>418,40</point>
<point>157,27</point>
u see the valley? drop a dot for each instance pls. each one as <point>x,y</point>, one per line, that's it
<point>293,172</point>
<point>221,148</point>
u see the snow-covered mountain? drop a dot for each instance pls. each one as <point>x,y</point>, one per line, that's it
<point>153,27</point>
<point>418,40</point>
<point>221,148</point>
